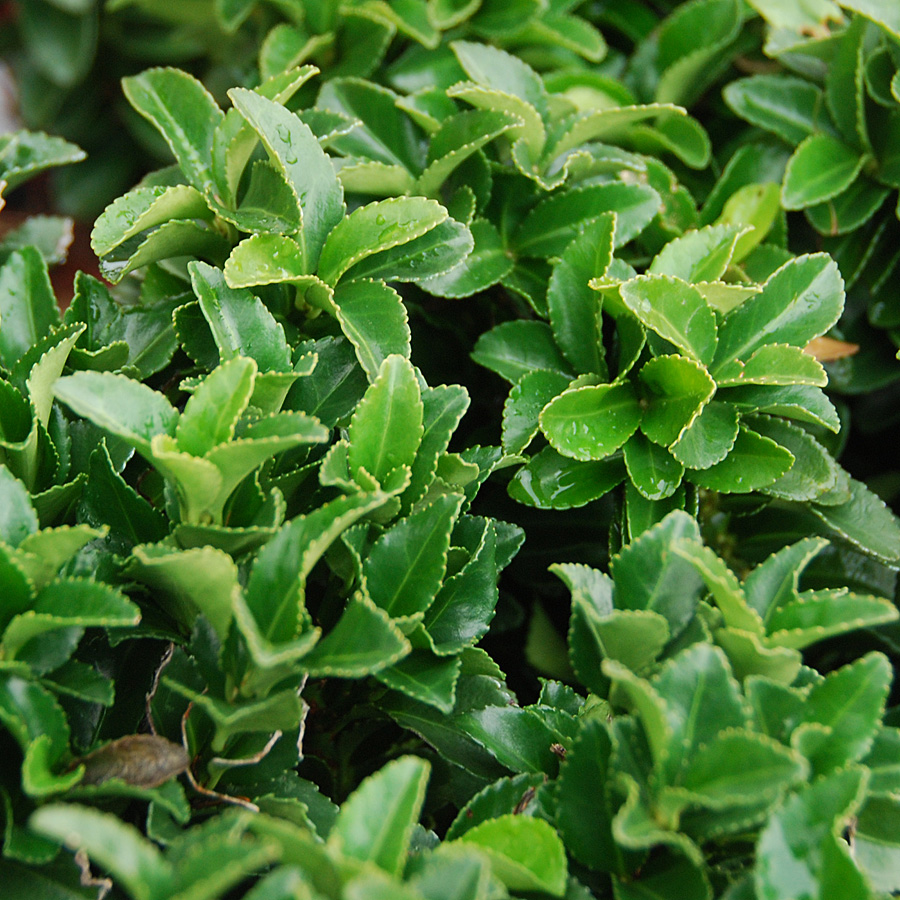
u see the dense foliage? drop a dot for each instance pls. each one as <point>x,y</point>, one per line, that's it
<point>458,477</point>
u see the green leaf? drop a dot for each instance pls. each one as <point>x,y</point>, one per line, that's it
<point>185,581</point>
<point>126,408</point>
<point>702,699</point>
<point>799,402</point>
<point>813,617</point>
<point>376,821</point>
<point>213,410</point>
<point>650,575</point>
<point>790,107</point>
<point>487,263</point>
<point>723,585</point>
<point>800,850</point>
<point>364,641</point>
<point>373,318</point>
<point>651,468</point>
<point>115,845</point>
<point>374,228</point>
<point>864,521</point>
<point>814,472</point>
<point>526,854</point>
<point>386,428</point>
<point>573,307</point>
<point>456,140</point>
<point>882,12</point>
<point>551,225</point>
<point>143,208</point>
<point>678,390</point>
<point>741,767</point>
<point>17,516</point>
<point>24,154</point>
<point>753,463</point>
<point>177,237</point>
<point>424,677</point>
<point>184,113</point>
<point>775,364</point>
<point>240,322</point>
<point>676,311</point>
<point>518,347</point>
<point>801,301</point>
<point>28,309</point>
<point>589,423</point>
<point>305,166</point>
<point>529,396</point>
<point>464,606</point>
<point>277,579</point>
<point>701,255</point>
<point>553,481</point>
<point>69,603</point>
<point>443,408</point>
<point>383,132</point>
<point>585,807</point>
<point>821,168</point>
<point>406,565</point>
<point>849,702</point>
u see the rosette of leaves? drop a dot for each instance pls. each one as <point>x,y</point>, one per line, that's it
<point>836,111</point>
<point>383,572</point>
<point>684,774</point>
<point>372,847</point>
<point>291,203</point>
<point>706,384</point>
<point>52,690</point>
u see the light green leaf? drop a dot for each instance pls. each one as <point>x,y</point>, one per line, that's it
<point>213,410</point>
<point>184,581</point>
<point>676,311</point>
<point>701,255</point>
<point>17,516</point>
<point>589,423</point>
<point>678,390</point>
<point>526,854</point>
<point>376,227</point>
<point>386,428</point>
<point>373,318</point>
<point>801,850</point>
<point>184,113</point>
<point>801,301</point>
<point>126,408</point>
<point>306,167</point>
<point>143,208</point>
<point>821,168</point>
<point>777,364</point>
<point>112,843</point>
<point>376,821</point>
<point>28,309</point>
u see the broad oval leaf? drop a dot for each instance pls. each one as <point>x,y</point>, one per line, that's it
<point>821,168</point>
<point>589,423</point>
<point>676,311</point>
<point>376,227</point>
<point>752,463</point>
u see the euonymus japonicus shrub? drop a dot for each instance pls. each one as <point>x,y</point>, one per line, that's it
<point>250,550</point>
